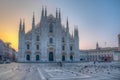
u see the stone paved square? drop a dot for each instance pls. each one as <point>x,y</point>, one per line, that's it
<point>52,71</point>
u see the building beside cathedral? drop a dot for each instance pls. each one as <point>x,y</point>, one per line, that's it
<point>48,41</point>
<point>6,52</point>
<point>106,54</point>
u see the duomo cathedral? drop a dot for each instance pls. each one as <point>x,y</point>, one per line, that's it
<point>48,41</point>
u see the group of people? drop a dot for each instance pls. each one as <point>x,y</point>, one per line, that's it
<point>59,64</point>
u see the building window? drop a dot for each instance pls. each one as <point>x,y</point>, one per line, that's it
<point>71,48</point>
<point>37,47</point>
<point>63,47</point>
<point>51,40</point>
<point>28,46</point>
<point>63,40</point>
<point>37,38</point>
<point>51,28</point>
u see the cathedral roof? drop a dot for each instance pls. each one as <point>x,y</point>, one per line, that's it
<point>102,49</point>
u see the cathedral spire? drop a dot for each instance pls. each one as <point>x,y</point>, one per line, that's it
<point>42,11</point>
<point>45,10</point>
<point>97,46</point>
<point>56,13</point>
<point>59,15</point>
<point>33,21</point>
<point>76,31</point>
<point>20,25</point>
<point>23,26</point>
<point>67,24</point>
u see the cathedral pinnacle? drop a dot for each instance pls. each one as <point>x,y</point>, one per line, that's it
<point>33,21</point>
<point>76,31</point>
<point>97,46</point>
<point>56,13</point>
<point>20,25</point>
<point>45,10</point>
<point>23,25</point>
<point>67,25</point>
<point>42,11</point>
<point>59,15</point>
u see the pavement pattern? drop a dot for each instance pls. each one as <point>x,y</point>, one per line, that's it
<point>52,71</point>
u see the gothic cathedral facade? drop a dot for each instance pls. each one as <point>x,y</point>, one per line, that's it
<point>48,41</point>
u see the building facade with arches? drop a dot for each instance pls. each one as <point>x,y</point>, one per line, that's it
<point>105,54</point>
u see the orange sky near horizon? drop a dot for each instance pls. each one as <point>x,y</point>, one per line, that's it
<point>9,35</point>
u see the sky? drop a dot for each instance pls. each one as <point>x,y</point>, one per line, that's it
<point>97,20</point>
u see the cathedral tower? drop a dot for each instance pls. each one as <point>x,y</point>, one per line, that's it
<point>97,46</point>
<point>21,40</point>
<point>68,42</point>
<point>76,42</point>
<point>33,37</point>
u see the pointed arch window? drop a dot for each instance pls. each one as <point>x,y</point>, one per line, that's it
<point>51,40</point>
<point>37,47</point>
<point>51,28</point>
<point>63,47</point>
<point>28,46</point>
<point>71,48</point>
<point>37,38</point>
<point>63,39</point>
